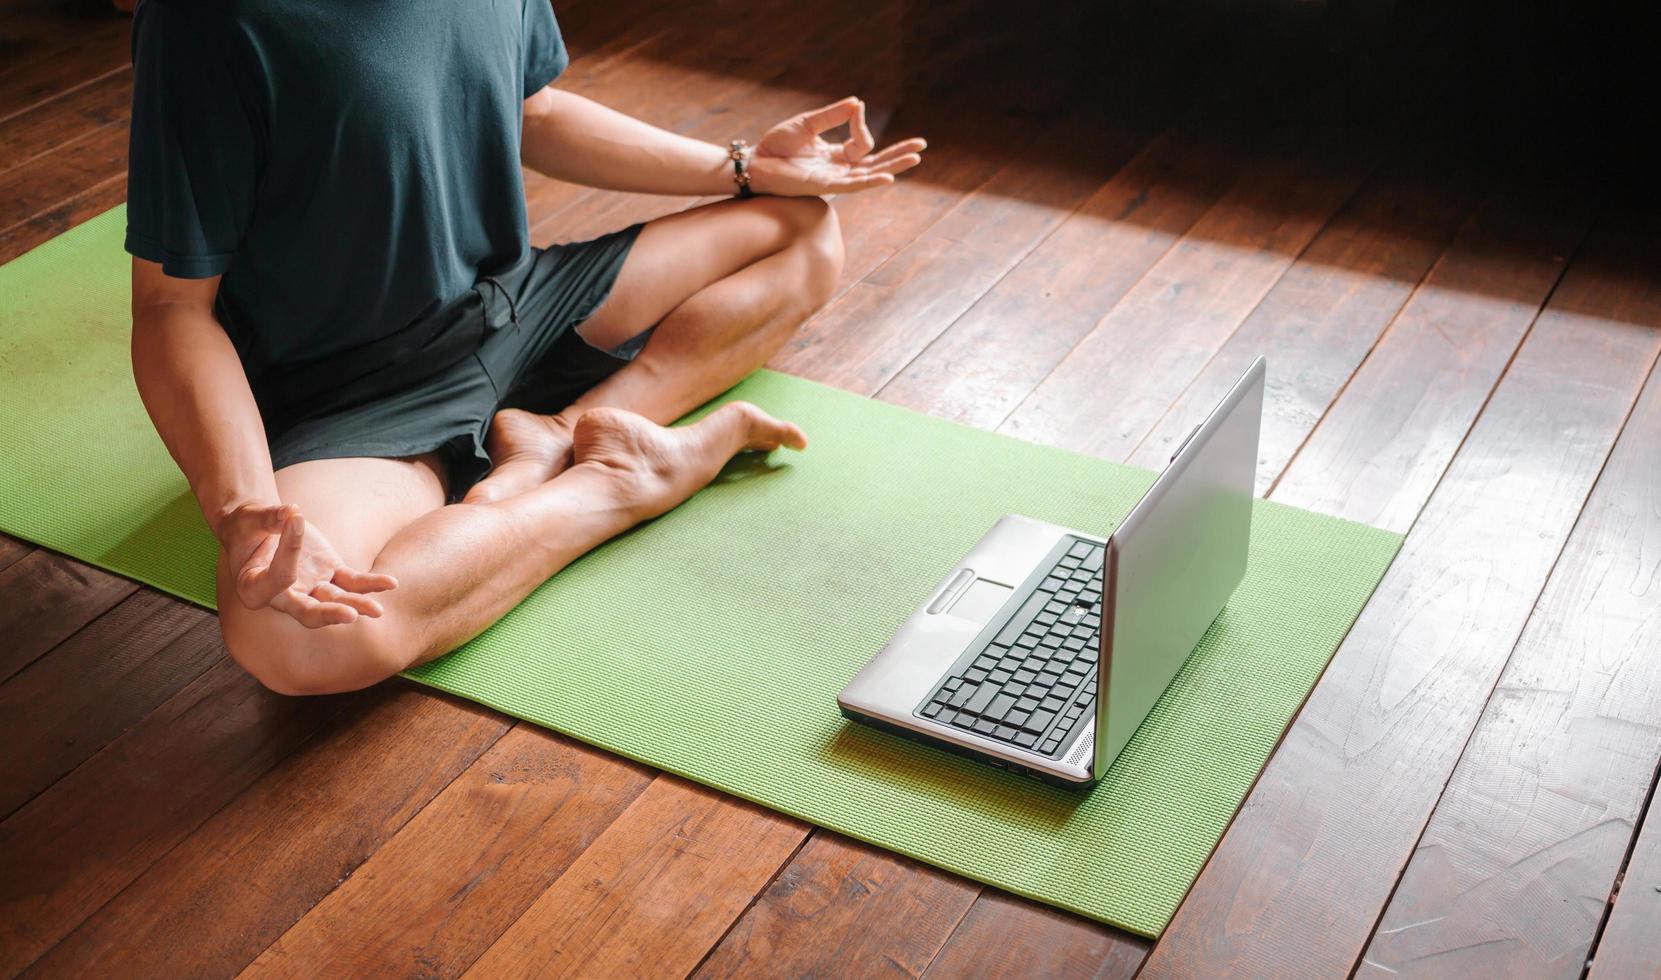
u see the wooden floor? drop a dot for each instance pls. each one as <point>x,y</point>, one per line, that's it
<point>1463,349</point>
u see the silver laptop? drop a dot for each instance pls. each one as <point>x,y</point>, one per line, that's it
<point>1046,647</point>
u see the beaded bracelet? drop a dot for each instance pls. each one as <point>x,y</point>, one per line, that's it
<point>740,170</point>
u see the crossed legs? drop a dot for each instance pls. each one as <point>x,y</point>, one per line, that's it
<point>725,285</point>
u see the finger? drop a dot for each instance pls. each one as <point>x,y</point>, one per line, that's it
<point>253,583</point>
<point>310,613</point>
<point>851,185</point>
<point>362,582</point>
<point>898,165</point>
<point>285,565</point>
<point>830,116</point>
<point>272,518</point>
<point>859,140</point>
<point>900,149</point>
<point>366,606</point>
<point>252,587</point>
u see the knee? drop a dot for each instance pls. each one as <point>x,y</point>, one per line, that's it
<point>815,236</point>
<point>290,659</point>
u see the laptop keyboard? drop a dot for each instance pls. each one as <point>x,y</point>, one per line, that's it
<point>1036,678</point>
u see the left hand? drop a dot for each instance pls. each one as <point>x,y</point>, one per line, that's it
<point>793,160</point>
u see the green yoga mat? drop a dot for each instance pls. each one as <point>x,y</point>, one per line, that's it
<point>712,642</point>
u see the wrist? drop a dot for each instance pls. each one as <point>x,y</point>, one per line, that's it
<point>220,517</point>
<point>740,155</point>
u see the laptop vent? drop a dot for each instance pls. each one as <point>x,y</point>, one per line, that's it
<point>1082,748</point>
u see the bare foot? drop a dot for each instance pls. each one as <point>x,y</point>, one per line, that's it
<point>660,467</point>
<point>526,450</point>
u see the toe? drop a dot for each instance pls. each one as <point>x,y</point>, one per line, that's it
<point>764,432</point>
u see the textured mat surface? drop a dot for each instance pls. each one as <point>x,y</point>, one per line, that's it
<point>712,642</point>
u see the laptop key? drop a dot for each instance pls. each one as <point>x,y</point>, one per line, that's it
<point>1004,732</point>
<point>982,697</point>
<point>1026,740</point>
<point>1039,721</point>
<point>999,707</point>
<point>1019,621</point>
<point>986,726</point>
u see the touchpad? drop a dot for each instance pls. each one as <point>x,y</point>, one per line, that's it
<point>980,600</point>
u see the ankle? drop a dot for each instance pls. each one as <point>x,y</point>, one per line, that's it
<point>621,490</point>
<point>562,423</point>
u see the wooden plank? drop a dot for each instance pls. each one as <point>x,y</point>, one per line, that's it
<point>87,203</point>
<point>886,318</point>
<point>1008,937</point>
<point>89,689</point>
<point>1302,874</point>
<point>1159,337</point>
<point>48,179</point>
<point>219,898</point>
<point>1322,318</point>
<point>445,887</point>
<point>78,844</point>
<point>954,165</point>
<point>44,599</point>
<point>1631,945</point>
<point>100,102</point>
<point>841,907</point>
<point>990,358</point>
<point>13,551</point>
<point>49,67</point>
<point>1377,455</point>
<point>652,893</point>
<point>1521,853</point>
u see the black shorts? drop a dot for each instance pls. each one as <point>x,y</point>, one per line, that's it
<point>509,342</point>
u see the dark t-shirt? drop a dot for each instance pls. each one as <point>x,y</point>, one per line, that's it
<point>347,167</point>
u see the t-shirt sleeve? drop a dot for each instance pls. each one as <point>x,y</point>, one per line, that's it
<point>194,155</point>
<point>544,50</point>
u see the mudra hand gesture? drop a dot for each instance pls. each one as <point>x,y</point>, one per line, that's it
<point>794,160</point>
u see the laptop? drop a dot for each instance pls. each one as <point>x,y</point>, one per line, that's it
<point>1046,647</point>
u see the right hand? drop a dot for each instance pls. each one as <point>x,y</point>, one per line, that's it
<point>281,562</point>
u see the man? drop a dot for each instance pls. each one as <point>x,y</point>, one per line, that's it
<point>397,416</point>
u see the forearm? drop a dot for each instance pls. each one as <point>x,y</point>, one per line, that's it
<point>574,139</point>
<point>196,393</point>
